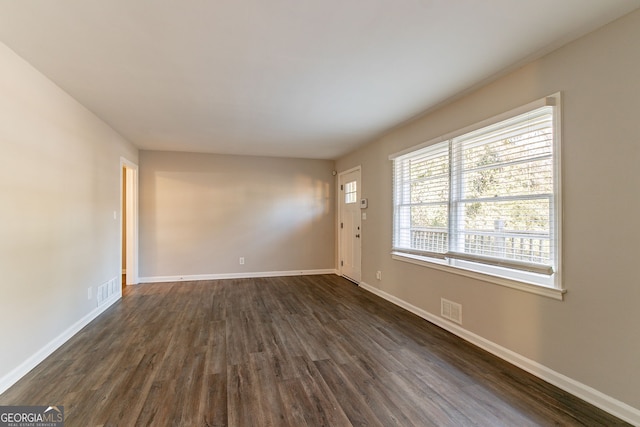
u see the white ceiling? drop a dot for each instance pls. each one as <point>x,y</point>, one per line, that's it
<point>292,78</point>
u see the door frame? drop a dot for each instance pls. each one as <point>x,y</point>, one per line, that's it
<point>340,202</point>
<point>130,214</point>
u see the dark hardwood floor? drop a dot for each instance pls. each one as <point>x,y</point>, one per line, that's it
<point>310,350</point>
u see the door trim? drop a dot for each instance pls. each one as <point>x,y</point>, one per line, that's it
<point>131,218</point>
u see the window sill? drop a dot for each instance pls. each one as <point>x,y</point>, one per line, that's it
<point>502,281</point>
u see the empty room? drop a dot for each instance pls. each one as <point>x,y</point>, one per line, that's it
<point>319,213</point>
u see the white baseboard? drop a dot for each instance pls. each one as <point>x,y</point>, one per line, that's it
<point>16,374</point>
<point>21,370</point>
<point>583,391</point>
<point>249,275</point>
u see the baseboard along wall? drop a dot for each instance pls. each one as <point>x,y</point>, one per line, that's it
<point>248,275</point>
<point>583,391</point>
<point>20,371</point>
<point>23,369</point>
<point>578,389</point>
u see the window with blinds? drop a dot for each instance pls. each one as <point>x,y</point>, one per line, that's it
<point>485,199</point>
<point>422,201</point>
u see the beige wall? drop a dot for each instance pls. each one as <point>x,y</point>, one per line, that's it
<point>199,213</point>
<point>594,335</point>
<point>60,184</point>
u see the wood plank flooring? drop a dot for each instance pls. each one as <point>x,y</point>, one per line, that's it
<point>287,351</point>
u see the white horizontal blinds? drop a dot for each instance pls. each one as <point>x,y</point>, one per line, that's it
<point>503,203</point>
<point>421,182</point>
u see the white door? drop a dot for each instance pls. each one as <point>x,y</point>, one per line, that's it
<point>350,225</point>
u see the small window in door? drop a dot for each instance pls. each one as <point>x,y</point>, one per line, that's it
<point>350,192</point>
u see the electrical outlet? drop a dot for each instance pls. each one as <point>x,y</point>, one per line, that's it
<point>379,275</point>
<point>241,260</point>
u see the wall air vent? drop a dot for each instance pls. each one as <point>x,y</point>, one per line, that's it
<point>106,291</point>
<point>451,310</point>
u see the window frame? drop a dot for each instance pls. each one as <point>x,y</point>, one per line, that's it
<point>532,281</point>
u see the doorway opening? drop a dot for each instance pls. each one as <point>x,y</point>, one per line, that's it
<point>129,223</point>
